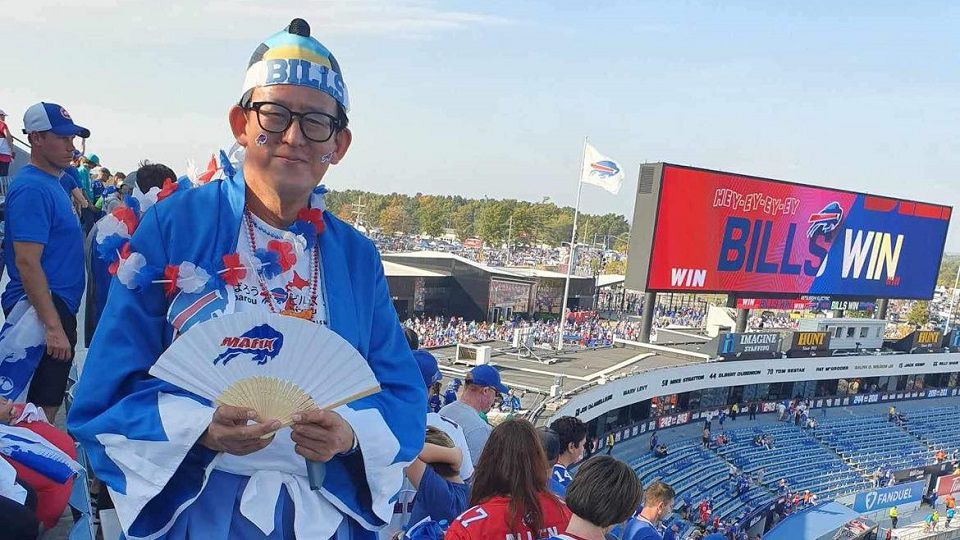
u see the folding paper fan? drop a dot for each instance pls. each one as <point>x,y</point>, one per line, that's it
<point>273,364</point>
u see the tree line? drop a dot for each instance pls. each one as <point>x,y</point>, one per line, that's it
<point>948,270</point>
<point>495,221</point>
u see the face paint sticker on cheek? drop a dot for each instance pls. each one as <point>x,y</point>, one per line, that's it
<point>262,139</point>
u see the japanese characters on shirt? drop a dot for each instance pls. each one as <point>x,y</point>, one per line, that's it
<point>292,288</point>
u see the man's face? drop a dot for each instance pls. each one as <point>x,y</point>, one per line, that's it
<point>489,395</point>
<point>578,451</point>
<point>53,148</point>
<point>288,161</point>
<point>664,510</point>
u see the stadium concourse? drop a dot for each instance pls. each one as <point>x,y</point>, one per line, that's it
<point>534,373</point>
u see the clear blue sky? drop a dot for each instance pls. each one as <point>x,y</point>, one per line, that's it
<point>494,98</point>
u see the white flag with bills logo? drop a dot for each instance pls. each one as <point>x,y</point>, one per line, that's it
<point>600,170</point>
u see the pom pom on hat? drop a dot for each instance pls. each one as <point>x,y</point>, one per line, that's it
<point>299,27</point>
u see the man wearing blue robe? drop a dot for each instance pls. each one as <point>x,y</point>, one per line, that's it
<point>176,466</point>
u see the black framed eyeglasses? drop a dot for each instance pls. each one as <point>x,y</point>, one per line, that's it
<point>276,118</point>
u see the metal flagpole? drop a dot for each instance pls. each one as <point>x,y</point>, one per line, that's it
<point>953,298</point>
<point>573,243</point>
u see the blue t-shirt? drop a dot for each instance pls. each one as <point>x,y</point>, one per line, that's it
<point>557,488</point>
<point>97,188</point>
<point>449,396</point>
<point>70,179</point>
<point>560,480</point>
<point>641,529</point>
<point>38,211</point>
<point>438,498</point>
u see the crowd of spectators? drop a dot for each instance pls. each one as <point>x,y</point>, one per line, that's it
<point>515,255</point>
<point>584,329</point>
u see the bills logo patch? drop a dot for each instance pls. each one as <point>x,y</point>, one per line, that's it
<point>188,309</point>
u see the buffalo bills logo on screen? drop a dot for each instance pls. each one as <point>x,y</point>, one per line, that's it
<point>604,169</point>
<point>825,221</point>
<point>262,343</point>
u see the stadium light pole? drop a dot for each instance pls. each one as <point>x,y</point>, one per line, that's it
<point>573,247</point>
<point>953,300</point>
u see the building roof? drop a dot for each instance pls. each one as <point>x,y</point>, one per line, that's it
<point>527,271</point>
<point>522,273</point>
<point>392,269</point>
<point>606,280</point>
<point>580,367</point>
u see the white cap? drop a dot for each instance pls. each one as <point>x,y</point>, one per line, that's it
<point>2,113</point>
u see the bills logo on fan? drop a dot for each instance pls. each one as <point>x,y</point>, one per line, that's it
<point>825,221</point>
<point>64,113</point>
<point>604,169</point>
<point>262,343</point>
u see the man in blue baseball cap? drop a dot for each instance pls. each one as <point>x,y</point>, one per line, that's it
<point>43,254</point>
<point>428,367</point>
<point>479,393</point>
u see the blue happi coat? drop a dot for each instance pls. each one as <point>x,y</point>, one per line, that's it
<point>141,433</point>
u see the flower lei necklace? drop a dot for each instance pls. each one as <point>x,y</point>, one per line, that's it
<point>134,271</point>
<point>286,258</point>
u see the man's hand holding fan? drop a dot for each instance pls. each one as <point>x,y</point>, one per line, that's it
<point>231,431</point>
<point>321,434</point>
<point>265,372</point>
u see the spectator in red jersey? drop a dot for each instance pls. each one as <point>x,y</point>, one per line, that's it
<point>705,509</point>
<point>509,492</point>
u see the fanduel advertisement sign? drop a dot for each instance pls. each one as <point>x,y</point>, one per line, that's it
<point>888,497</point>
